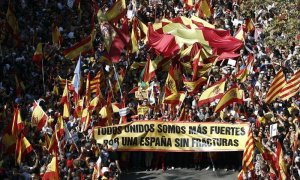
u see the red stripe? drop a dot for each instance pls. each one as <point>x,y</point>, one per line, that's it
<point>78,45</point>
<point>211,99</point>
<point>239,101</point>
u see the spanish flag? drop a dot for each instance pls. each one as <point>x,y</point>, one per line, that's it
<point>65,101</point>
<point>56,36</point>
<point>170,84</point>
<point>243,73</point>
<point>276,86</point>
<point>60,127</point>
<point>134,36</point>
<point>38,54</point>
<point>149,71</point>
<point>193,86</point>
<point>8,141</point>
<point>12,21</point>
<point>183,115</point>
<point>39,117</point>
<point>234,94</point>
<point>204,9</point>
<point>107,111</point>
<point>249,25</point>
<point>17,125</point>
<point>23,147</point>
<point>53,146</point>
<point>240,34</point>
<point>114,13</point>
<point>280,163</point>
<point>188,4</point>
<point>52,172</point>
<point>175,98</point>
<point>292,87</point>
<point>213,92</point>
<point>85,46</point>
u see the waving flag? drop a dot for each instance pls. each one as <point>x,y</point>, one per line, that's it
<point>247,162</point>
<point>243,73</point>
<point>17,125</point>
<point>213,92</point>
<point>149,71</point>
<point>204,9</point>
<point>52,172</point>
<point>291,88</point>
<point>234,94</point>
<point>77,76</point>
<point>193,86</point>
<point>38,54</point>
<point>56,36</point>
<point>114,13</point>
<point>276,86</point>
<point>23,147</point>
<point>39,117</point>
<point>280,163</point>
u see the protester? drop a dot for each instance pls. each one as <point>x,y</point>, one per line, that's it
<point>39,75</point>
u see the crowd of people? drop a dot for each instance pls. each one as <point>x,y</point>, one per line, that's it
<point>24,82</point>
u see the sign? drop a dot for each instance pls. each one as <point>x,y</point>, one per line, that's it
<point>174,136</point>
<point>142,110</point>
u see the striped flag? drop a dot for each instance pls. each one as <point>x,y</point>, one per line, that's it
<point>276,86</point>
<point>114,13</point>
<point>213,92</point>
<point>65,101</point>
<point>193,86</point>
<point>280,163</point>
<point>17,125</point>
<point>23,147</point>
<point>243,73</point>
<point>39,117</point>
<point>234,94</point>
<point>240,34</point>
<point>249,25</point>
<point>204,9</point>
<point>188,4</point>
<point>52,172</point>
<point>149,71</point>
<point>291,88</point>
<point>247,163</point>
<point>95,83</point>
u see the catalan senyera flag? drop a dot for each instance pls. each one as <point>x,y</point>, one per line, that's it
<point>39,117</point>
<point>234,94</point>
<point>243,73</point>
<point>56,36</point>
<point>85,119</point>
<point>52,172</point>
<point>247,163</point>
<point>213,92</point>
<point>114,13</point>
<point>12,21</point>
<point>267,155</point>
<point>193,86</point>
<point>17,125</point>
<point>280,163</point>
<point>149,71</point>
<point>85,46</point>
<point>204,9</point>
<point>95,83</point>
<point>23,147</point>
<point>291,88</point>
<point>277,84</point>
<point>249,25</point>
<point>38,54</point>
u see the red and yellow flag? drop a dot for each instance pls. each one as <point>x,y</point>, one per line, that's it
<point>53,146</point>
<point>114,13</point>
<point>38,54</point>
<point>280,163</point>
<point>56,36</point>
<point>65,101</point>
<point>291,88</point>
<point>213,92</point>
<point>170,84</point>
<point>188,4</point>
<point>85,46</point>
<point>204,9</point>
<point>149,71</point>
<point>23,147</point>
<point>243,73</point>
<point>175,98</point>
<point>52,172</point>
<point>247,163</point>
<point>234,94</point>
<point>12,21</point>
<point>193,86</point>
<point>240,34</point>
<point>39,117</point>
<point>95,83</point>
<point>276,86</point>
<point>250,27</point>
<point>17,125</point>
<point>85,119</point>
<point>60,131</point>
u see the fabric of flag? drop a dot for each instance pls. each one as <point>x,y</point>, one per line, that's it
<point>170,84</point>
<point>188,4</point>
<point>12,21</point>
<point>56,36</point>
<point>85,119</point>
<point>193,86</point>
<point>23,147</point>
<point>204,9</point>
<point>97,82</point>
<point>134,36</point>
<point>291,88</point>
<point>213,92</point>
<point>60,128</point>
<point>277,84</point>
<point>175,98</point>
<point>96,102</point>
<point>149,71</point>
<point>183,115</point>
<point>114,13</point>
<point>62,82</point>
<point>250,27</point>
<point>267,155</point>
<point>52,172</point>
<point>247,162</point>
<point>280,163</point>
<point>65,101</point>
<point>77,76</point>
<point>17,125</point>
<point>107,110</point>
<point>85,46</point>
<point>38,54</point>
<point>8,141</point>
<point>243,73</point>
<point>53,146</point>
<point>240,34</point>
<point>39,117</point>
<point>234,94</point>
